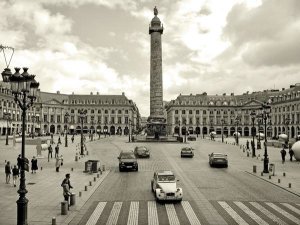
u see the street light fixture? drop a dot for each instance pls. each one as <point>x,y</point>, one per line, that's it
<point>6,116</point>
<point>237,120</point>
<point>82,116</point>
<point>92,122</point>
<point>287,122</point>
<point>253,115</point>
<point>67,115</point>
<point>99,129</point>
<point>185,132</point>
<point>179,129</point>
<point>222,123</point>
<point>266,109</point>
<point>23,87</point>
<point>259,122</point>
<point>32,128</point>
<point>197,129</point>
<point>129,129</point>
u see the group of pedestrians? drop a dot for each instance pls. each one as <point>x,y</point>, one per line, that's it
<point>283,153</point>
<point>58,159</point>
<point>11,170</point>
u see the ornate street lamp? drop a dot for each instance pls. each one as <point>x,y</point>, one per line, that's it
<point>179,129</point>
<point>253,115</point>
<point>266,109</point>
<point>99,129</point>
<point>197,129</point>
<point>32,128</point>
<point>23,87</point>
<point>6,116</point>
<point>287,122</point>
<point>237,121</point>
<point>92,122</point>
<point>258,124</point>
<point>185,132</point>
<point>129,129</point>
<point>67,115</point>
<point>105,129</point>
<point>222,123</point>
<point>82,116</point>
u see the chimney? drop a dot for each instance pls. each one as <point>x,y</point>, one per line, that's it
<point>283,89</point>
<point>58,92</point>
<point>91,93</point>
<point>123,93</point>
<point>292,86</point>
<point>232,94</point>
<point>97,92</point>
<point>224,94</point>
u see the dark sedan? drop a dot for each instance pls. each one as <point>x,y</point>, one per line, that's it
<point>187,152</point>
<point>142,152</point>
<point>218,159</point>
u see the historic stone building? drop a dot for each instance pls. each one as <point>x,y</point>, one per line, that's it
<point>202,113</point>
<point>114,114</point>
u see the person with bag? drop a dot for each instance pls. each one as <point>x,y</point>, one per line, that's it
<point>291,152</point>
<point>57,163</point>
<point>34,165</point>
<point>56,151</point>
<point>15,172</point>
<point>66,184</point>
<point>7,172</point>
<point>50,150</point>
<point>283,153</point>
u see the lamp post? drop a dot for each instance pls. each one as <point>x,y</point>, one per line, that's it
<point>266,108</point>
<point>67,115</point>
<point>99,129</point>
<point>258,124</point>
<point>6,116</point>
<point>237,120</point>
<point>253,115</point>
<point>92,122</point>
<point>211,129</point>
<point>287,122</point>
<point>197,129</point>
<point>82,115</point>
<point>222,123</point>
<point>179,129</point>
<point>129,130</point>
<point>105,129</point>
<point>185,133</point>
<point>23,87</point>
<point>32,128</point>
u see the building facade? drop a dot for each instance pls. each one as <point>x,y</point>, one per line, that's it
<point>202,113</point>
<point>111,114</point>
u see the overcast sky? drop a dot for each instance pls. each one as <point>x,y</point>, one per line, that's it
<point>85,46</point>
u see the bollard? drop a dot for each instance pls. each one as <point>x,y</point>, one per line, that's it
<point>5,160</point>
<point>76,158</point>
<point>278,181</point>
<point>90,183</point>
<point>79,194</point>
<point>53,221</point>
<point>100,171</point>
<point>103,167</point>
<point>73,199</point>
<point>98,175</point>
<point>270,177</point>
<point>243,150</point>
<point>290,185</point>
<point>247,154</point>
<point>254,168</point>
<point>284,174</point>
<point>64,208</point>
<point>95,178</point>
<point>72,169</point>
<point>262,173</point>
<point>41,168</point>
<point>87,152</point>
<point>85,188</point>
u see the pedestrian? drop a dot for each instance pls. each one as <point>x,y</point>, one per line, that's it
<point>57,163</point>
<point>66,184</point>
<point>283,153</point>
<point>15,172</point>
<point>34,165</point>
<point>291,152</point>
<point>72,139</point>
<point>56,151</point>
<point>7,172</point>
<point>59,142</point>
<point>19,161</point>
<point>50,150</point>
<point>247,144</point>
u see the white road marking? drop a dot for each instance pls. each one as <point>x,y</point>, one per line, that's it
<point>286,214</point>
<point>96,214</point>
<point>250,213</point>
<point>232,213</point>
<point>114,214</point>
<point>152,213</point>
<point>190,213</point>
<point>291,208</point>
<point>173,219</point>
<point>133,216</point>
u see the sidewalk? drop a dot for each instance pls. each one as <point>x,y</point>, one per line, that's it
<point>291,169</point>
<point>44,190</point>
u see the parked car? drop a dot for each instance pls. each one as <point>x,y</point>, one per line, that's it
<point>164,186</point>
<point>141,152</point>
<point>127,161</point>
<point>218,159</point>
<point>187,152</point>
<point>191,138</point>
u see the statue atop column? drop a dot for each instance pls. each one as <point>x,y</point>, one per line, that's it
<point>155,11</point>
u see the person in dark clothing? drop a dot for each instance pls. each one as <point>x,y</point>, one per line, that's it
<point>34,165</point>
<point>15,172</point>
<point>291,152</point>
<point>7,172</point>
<point>19,161</point>
<point>72,139</point>
<point>56,151</point>
<point>59,141</point>
<point>247,144</point>
<point>50,150</point>
<point>283,153</point>
<point>66,184</point>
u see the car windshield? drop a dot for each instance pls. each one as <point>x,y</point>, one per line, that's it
<point>128,155</point>
<point>166,178</point>
<point>186,149</point>
<point>141,149</point>
<point>218,155</point>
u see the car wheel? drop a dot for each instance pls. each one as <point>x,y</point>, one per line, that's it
<point>137,169</point>
<point>226,166</point>
<point>120,170</point>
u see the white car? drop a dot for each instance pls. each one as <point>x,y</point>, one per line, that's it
<point>164,186</point>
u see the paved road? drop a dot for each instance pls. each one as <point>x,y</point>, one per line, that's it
<point>211,195</point>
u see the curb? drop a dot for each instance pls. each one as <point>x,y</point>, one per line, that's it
<point>298,195</point>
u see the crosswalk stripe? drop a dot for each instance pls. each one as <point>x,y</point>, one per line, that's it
<point>114,214</point>
<point>286,214</point>
<point>268,213</point>
<point>133,214</point>
<point>291,208</point>
<point>152,213</point>
<point>96,214</point>
<point>232,213</point>
<point>173,219</point>
<point>250,213</point>
<point>190,213</point>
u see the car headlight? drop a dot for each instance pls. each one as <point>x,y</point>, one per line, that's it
<point>178,189</point>
<point>161,191</point>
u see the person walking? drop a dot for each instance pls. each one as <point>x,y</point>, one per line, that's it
<point>58,163</point>
<point>247,145</point>
<point>56,151</point>
<point>7,172</point>
<point>15,172</point>
<point>34,165</point>
<point>59,141</point>
<point>66,184</point>
<point>50,150</point>
<point>72,139</point>
<point>19,160</point>
<point>291,152</point>
<point>283,153</point>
